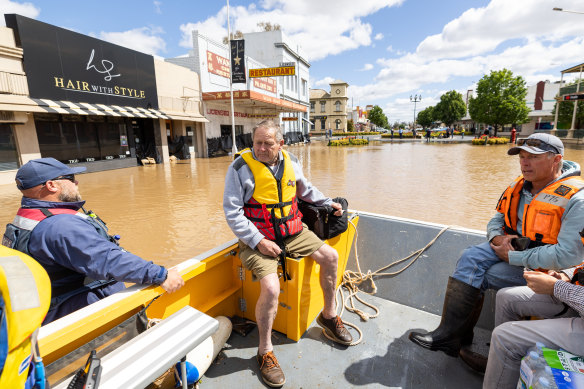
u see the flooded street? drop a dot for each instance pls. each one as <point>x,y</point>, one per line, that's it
<point>169,213</point>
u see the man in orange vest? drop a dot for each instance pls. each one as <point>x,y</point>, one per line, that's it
<point>260,204</point>
<point>537,226</point>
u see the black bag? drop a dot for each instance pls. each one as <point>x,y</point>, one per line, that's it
<point>322,221</point>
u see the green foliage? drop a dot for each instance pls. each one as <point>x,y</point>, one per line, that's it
<point>450,109</point>
<point>350,125</point>
<point>500,100</point>
<point>566,112</point>
<point>377,117</point>
<point>426,117</point>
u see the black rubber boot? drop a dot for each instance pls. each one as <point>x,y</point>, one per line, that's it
<point>458,313</point>
<point>468,331</point>
<point>475,361</point>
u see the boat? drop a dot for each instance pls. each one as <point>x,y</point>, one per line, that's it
<point>409,295</point>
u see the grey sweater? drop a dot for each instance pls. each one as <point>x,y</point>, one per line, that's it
<point>239,188</point>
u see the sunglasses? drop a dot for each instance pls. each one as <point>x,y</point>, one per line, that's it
<point>539,144</point>
<point>69,177</point>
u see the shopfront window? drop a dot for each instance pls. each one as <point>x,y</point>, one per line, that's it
<point>8,153</point>
<point>73,139</point>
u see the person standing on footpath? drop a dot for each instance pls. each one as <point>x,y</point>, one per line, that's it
<point>401,133</point>
<point>73,246</point>
<point>513,135</point>
<point>545,205</point>
<point>267,177</point>
<point>428,134</point>
<point>557,297</point>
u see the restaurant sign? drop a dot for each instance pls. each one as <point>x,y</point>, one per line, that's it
<point>273,72</point>
<point>64,65</point>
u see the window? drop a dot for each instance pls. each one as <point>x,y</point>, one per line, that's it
<point>338,123</point>
<point>323,106</point>
<point>287,83</point>
<point>338,106</point>
<point>8,153</point>
<point>304,87</point>
<point>312,106</point>
<point>323,124</point>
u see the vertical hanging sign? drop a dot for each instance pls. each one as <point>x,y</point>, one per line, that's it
<point>238,61</point>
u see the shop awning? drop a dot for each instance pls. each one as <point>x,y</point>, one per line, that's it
<point>28,104</point>
<point>71,108</point>
<point>308,121</point>
<point>253,99</point>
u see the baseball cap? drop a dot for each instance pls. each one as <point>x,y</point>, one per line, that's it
<point>39,171</point>
<point>538,144</point>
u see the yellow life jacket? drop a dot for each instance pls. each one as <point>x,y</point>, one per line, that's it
<point>26,290</point>
<point>273,207</point>
<point>542,218</point>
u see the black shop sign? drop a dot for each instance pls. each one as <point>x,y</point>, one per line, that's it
<point>64,65</point>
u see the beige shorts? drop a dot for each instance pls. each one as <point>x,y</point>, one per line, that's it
<point>298,246</point>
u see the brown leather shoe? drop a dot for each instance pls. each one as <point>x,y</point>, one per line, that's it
<point>272,373</point>
<point>475,361</point>
<point>335,329</point>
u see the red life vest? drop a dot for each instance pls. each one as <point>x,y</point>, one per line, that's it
<point>273,208</point>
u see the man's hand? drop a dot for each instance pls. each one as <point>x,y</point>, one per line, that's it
<point>501,245</point>
<point>540,283</point>
<point>173,281</point>
<point>269,248</point>
<point>559,275</point>
<point>338,209</point>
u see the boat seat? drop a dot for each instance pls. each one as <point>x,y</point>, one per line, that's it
<point>138,362</point>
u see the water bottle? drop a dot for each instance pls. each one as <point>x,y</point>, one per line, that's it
<point>537,348</point>
<point>544,383</point>
<point>544,379</point>
<point>531,364</point>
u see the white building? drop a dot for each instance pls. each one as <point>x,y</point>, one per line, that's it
<point>254,100</point>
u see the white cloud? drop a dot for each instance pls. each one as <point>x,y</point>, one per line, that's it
<point>525,36</point>
<point>13,7</point>
<point>144,39</point>
<point>324,82</point>
<point>334,33</point>
<point>366,67</point>
<point>378,36</point>
<point>157,5</point>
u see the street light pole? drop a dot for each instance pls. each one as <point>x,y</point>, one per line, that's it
<point>565,10</point>
<point>415,100</point>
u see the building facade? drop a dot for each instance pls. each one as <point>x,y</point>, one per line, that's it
<point>253,100</point>
<point>88,102</point>
<point>328,110</point>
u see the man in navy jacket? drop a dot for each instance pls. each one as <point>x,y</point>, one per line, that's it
<point>84,263</point>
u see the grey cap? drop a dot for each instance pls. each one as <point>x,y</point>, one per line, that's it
<point>542,143</point>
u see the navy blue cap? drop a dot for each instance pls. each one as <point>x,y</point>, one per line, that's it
<point>39,171</point>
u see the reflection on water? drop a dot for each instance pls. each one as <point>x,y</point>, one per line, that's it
<point>169,213</point>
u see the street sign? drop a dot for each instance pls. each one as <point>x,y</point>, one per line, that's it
<point>273,72</point>
<point>579,96</point>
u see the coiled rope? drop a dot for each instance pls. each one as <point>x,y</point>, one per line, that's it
<point>353,279</point>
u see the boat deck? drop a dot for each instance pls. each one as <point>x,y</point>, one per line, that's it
<point>385,357</point>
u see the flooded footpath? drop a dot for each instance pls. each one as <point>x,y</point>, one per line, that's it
<point>172,212</point>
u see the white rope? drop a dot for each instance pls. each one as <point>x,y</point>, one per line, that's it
<point>353,279</point>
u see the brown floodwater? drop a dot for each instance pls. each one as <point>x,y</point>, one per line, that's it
<point>172,212</point>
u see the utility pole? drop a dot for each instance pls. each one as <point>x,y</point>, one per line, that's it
<point>234,147</point>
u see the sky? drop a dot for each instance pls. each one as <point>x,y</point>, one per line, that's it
<point>386,50</point>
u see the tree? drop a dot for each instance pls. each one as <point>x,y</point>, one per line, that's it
<point>566,112</point>
<point>426,117</point>
<point>377,117</point>
<point>500,100</point>
<point>350,125</point>
<point>237,35</point>
<point>450,108</point>
<point>267,26</point>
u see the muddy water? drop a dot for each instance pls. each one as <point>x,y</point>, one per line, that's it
<point>169,213</point>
